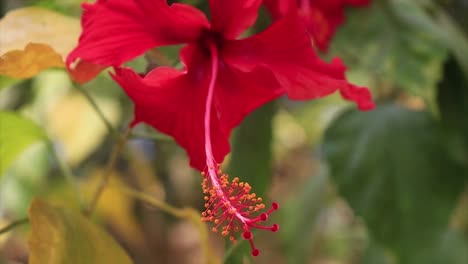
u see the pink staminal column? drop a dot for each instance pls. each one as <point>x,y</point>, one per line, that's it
<point>230,205</point>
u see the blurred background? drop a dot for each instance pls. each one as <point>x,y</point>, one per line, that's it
<point>386,186</point>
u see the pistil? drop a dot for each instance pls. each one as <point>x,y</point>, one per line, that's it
<point>229,205</point>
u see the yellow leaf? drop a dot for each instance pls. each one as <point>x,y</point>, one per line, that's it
<point>33,24</point>
<point>62,236</point>
<point>33,36</point>
<point>74,123</point>
<point>114,206</point>
<point>28,62</point>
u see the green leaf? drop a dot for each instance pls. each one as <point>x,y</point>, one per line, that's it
<point>450,247</point>
<point>440,25</point>
<point>62,236</point>
<point>393,169</point>
<point>452,99</point>
<point>251,159</point>
<point>17,133</point>
<point>300,216</point>
<point>27,177</point>
<point>251,149</point>
<point>379,41</point>
<point>6,82</point>
<point>375,253</point>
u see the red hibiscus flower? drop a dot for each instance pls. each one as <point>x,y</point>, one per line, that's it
<point>224,79</point>
<point>321,17</point>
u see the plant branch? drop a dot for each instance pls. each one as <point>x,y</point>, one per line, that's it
<point>12,225</point>
<point>96,108</point>
<point>184,213</point>
<point>110,166</point>
<point>66,172</point>
<point>167,208</point>
<point>154,136</point>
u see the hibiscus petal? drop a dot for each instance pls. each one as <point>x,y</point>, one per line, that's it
<point>236,93</point>
<point>232,17</point>
<point>285,49</point>
<point>116,31</point>
<point>320,25</point>
<point>279,8</point>
<point>328,5</point>
<point>171,102</point>
<point>239,93</point>
<point>358,3</point>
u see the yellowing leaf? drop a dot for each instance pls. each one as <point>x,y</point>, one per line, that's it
<point>33,24</point>
<point>62,236</point>
<point>16,134</point>
<point>35,36</point>
<point>27,63</point>
<point>114,206</point>
<point>75,124</point>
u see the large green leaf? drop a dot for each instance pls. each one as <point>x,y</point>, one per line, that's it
<point>251,149</point>
<point>62,236</point>
<point>393,169</point>
<point>16,134</point>
<point>251,159</point>
<point>452,99</point>
<point>449,247</point>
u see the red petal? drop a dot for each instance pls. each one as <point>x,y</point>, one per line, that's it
<point>116,31</point>
<point>279,8</point>
<point>285,49</point>
<point>319,26</point>
<point>328,5</point>
<point>239,93</point>
<point>232,17</point>
<point>358,3</point>
<point>236,93</point>
<point>171,102</point>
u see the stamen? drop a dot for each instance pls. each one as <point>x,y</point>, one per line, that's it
<point>229,204</point>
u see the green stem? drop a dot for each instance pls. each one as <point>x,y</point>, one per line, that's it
<point>161,205</point>
<point>154,136</point>
<point>12,225</point>
<point>96,108</point>
<point>183,213</point>
<point>66,173</point>
<point>107,173</point>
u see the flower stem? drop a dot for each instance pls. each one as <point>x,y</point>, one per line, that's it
<point>180,213</point>
<point>13,224</point>
<point>151,135</point>
<point>110,166</point>
<point>208,106</point>
<point>183,213</point>
<point>66,172</point>
<point>96,108</point>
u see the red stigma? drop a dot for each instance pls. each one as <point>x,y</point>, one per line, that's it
<point>233,209</point>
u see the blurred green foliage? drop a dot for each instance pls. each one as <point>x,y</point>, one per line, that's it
<point>391,166</point>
